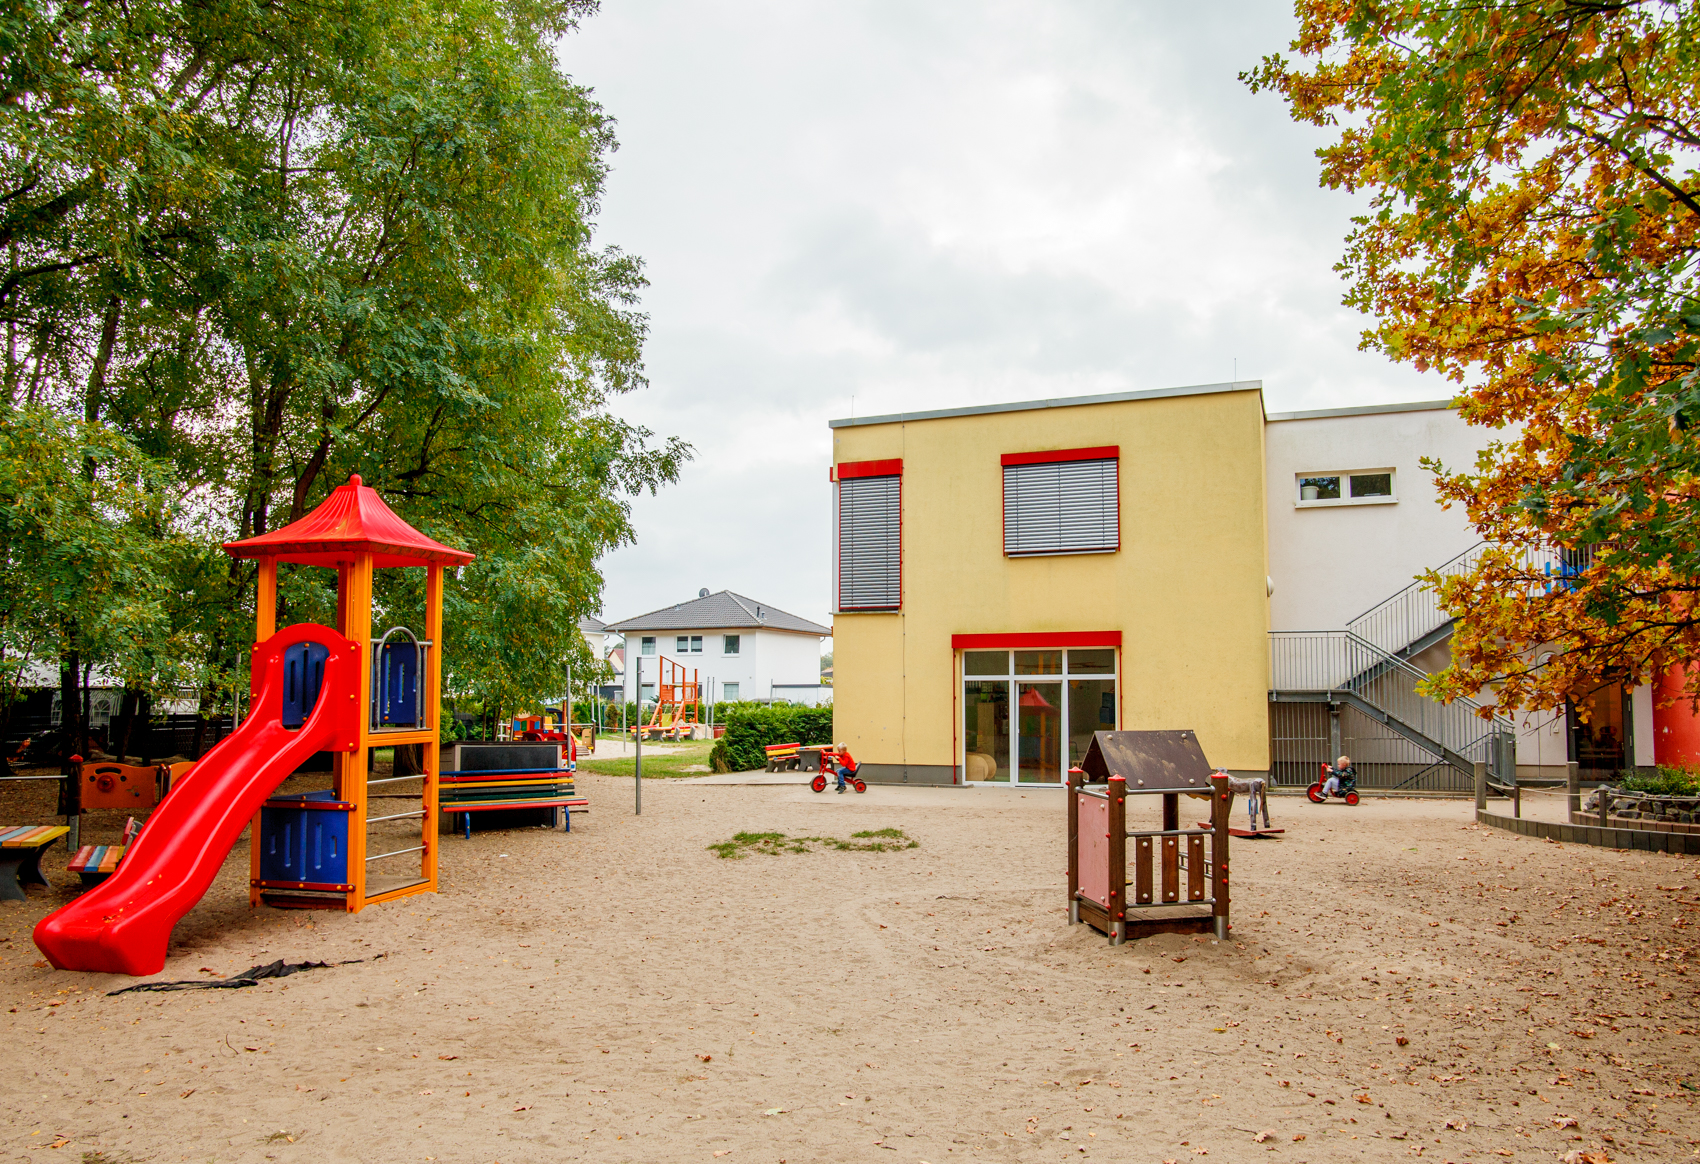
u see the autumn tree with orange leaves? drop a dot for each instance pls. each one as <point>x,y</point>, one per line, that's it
<point>1531,234</point>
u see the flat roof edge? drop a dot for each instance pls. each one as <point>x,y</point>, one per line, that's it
<point>1056,402</point>
<point>1364,410</point>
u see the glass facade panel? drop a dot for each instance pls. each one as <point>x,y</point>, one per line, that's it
<point>985,662</point>
<point>1040,732</point>
<point>1038,662</point>
<point>985,728</point>
<point>1100,661</point>
<point>1091,708</point>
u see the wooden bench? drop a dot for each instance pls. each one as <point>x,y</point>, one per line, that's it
<point>783,757</point>
<point>95,863</point>
<point>20,857</point>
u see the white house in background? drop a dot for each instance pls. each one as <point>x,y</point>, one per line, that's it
<point>739,648</point>
<point>595,633</point>
<point>1353,519</point>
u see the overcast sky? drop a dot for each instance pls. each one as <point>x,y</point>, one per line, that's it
<point>871,207</point>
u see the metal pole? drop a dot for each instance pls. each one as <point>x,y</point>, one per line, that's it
<point>1481,784</point>
<point>1573,782</point>
<point>637,771</point>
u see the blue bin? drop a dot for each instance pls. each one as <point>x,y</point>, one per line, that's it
<point>304,840</point>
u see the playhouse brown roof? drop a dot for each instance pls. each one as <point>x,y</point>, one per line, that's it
<point>352,520</point>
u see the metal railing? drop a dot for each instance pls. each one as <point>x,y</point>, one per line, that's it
<point>1323,663</point>
<point>1402,619</point>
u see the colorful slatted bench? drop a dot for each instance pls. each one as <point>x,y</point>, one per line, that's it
<point>783,757</point>
<point>484,790</point>
<point>95,863</point>
<point>20,857</point>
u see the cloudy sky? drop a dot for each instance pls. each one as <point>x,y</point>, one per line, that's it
<point>874,206</point>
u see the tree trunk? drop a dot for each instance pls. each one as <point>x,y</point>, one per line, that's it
<point>97,374</point>
<point>200,726</point>
<point>69,706</point>
<point>120,736</point>
<point>144,717</point>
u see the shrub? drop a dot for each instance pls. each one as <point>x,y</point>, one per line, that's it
<point>1670,781</point>
<point>751,728</point>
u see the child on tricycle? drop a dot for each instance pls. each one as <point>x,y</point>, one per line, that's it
<point>1338,780</point>
<point>838,759</point>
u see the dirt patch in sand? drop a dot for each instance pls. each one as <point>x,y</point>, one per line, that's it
<point>1400,983</point>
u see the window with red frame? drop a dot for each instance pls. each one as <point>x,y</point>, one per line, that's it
<point>1063,501</point>
<point>870,541</point>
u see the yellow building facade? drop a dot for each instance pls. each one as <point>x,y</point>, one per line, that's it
<point>1009,579</point>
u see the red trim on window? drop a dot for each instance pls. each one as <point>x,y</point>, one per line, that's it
<point>1037,639</point>
<point>1051,456</point>
<point>891,468</point>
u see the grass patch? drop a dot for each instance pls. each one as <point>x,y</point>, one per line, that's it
<point>773,844</point>
<point>691,759</point>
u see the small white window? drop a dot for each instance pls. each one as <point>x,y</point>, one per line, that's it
<point>684,645</point>
<point>1345,487</point>
<point>648,646</point>
<point>729,691</point>
<point>731,644</point>
<point>696,644</point>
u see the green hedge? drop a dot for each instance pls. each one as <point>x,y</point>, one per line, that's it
<point>750,729</point>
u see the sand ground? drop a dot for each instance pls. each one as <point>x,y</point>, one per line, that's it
<point>623,994</point>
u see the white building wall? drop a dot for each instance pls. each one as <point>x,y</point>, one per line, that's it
<point>764,658</point>
<point>1331,563</point>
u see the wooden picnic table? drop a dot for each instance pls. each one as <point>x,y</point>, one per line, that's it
<point>20,856</point>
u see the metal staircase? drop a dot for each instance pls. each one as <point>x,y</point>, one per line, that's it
<point>1366,667</point>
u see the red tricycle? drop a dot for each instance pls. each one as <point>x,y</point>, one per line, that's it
<point>838,759</point>
<point>1346,790</point>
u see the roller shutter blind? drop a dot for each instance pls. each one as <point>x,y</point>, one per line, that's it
<point>1061,507</point>
<point>870,550</point>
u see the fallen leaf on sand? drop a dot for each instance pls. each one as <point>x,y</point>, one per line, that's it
<point>1298,1137</point>
<point>1562,1121</point>
<point>709,1059</point>
<point>1458,1125</point>
<point>523,1107</point>
<point>723,1152</point>
<point>1402,1041</point>
<point>448,1057</point>
<point>187,1094</point>
<point>1261,1136</point>
<point>1578,1156</point>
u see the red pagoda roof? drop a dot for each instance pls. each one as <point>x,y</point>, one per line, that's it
<point>352,520</point>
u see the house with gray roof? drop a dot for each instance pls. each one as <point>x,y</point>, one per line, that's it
<point>739,647</point>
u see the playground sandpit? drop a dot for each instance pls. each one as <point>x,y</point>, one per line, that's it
<point>1399,984</point>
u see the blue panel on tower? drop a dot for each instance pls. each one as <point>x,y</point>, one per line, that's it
<point>304,839</point>
<point>303,673</point>
<point>397,695</point>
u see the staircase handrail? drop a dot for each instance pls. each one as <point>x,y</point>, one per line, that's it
<point>1340,661</point>
<point>1407,625</point>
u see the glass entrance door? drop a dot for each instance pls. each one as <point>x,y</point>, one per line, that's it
<point>1039,732</point>
<point>1027,716</point>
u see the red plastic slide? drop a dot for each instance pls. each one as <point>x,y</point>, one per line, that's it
<point>123,925</point>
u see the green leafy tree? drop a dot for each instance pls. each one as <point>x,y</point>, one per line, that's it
<point>1531,233</point>
<point>266,247</point>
